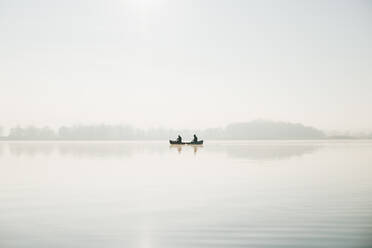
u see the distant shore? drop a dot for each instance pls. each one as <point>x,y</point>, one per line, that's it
<point>254,130</point>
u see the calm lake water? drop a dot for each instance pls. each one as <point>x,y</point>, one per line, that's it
<point>151,195</point>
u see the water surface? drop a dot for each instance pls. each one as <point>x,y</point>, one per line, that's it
<point>150,194</point>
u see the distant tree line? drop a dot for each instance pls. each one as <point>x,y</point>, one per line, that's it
<point>247,130</point>
<point>32,133</point>
<point>271,130</point>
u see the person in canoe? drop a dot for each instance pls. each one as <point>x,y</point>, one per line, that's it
<point>179,139</point>
<point>195,141</point>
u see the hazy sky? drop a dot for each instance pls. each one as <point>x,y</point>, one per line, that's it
<point>191,64</point>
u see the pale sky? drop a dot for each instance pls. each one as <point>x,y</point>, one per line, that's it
<point>186,64</point>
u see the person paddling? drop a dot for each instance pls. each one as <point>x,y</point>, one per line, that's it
<point>195,139</point>
<point>179,139</point>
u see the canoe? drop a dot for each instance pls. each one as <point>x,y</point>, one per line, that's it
<point>200,142</point>
<point>175,142</point>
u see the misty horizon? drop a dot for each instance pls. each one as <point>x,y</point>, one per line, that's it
<point>257,129</point>
<point>6,129</point>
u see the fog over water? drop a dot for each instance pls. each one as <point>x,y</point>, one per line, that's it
<point>92,92</point>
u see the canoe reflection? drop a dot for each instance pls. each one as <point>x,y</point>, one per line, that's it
<point>179,148</point>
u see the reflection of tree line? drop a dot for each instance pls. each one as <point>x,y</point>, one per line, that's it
<point>264,151</point>
<point>254,151</point>
<point>84,149</point>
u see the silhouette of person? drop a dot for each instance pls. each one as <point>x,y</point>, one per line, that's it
<point>195,139</point>
<point>179,139</point>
